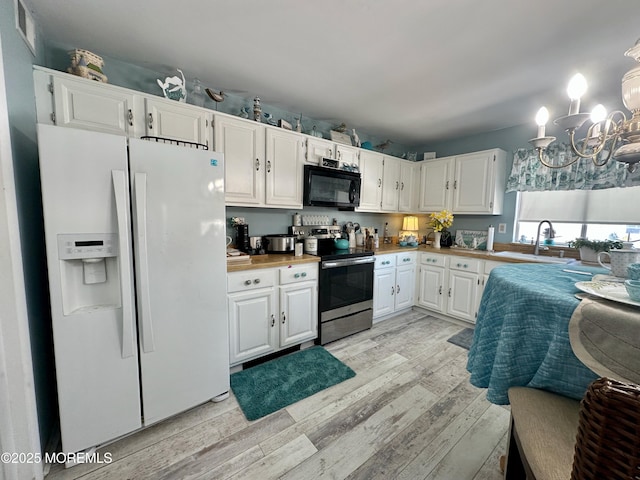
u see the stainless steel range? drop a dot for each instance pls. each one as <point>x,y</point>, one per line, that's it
<point>345,290</point>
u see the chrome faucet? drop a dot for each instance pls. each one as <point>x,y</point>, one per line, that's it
<point>536,249</point>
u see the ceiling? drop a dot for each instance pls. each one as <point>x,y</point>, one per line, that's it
<point>413,71</point>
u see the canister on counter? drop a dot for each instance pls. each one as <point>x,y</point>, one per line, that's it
<point>298,248</point>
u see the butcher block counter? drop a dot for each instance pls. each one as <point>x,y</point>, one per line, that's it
<point>273,260</point>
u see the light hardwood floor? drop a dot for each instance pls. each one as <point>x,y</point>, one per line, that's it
<point>409,413</point>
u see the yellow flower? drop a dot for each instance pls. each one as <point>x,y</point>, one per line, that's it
<point>440,220</point>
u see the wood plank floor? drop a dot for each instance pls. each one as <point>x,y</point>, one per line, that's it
<point>409,413</point>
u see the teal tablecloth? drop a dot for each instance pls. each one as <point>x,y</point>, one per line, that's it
<point>521,336</point>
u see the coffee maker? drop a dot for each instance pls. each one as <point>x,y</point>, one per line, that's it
<point>242,238</point>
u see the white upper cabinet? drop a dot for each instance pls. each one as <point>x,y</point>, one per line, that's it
<point>242,143</point>
<point>435,185</point>
<point>283,168</point>
<point>317,149</point>
<point>177,121</point>
<point>479,182</point>
<point>409,187</point>
<point>347,155</point>
<point>472,183</point>
<point>371,171</point>
<point>390,184</point>
<point>84,104</point>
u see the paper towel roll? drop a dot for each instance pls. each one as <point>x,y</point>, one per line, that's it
<point>490,235</point>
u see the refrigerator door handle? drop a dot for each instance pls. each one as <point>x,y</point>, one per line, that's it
<point>119,180</point>
<point>144,313</point>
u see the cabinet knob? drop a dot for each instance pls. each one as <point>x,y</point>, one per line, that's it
<point>273,320</point>
<point>465,265</point>
<point>268,166</point>
<point>247,282</point>
<point>284,318</point>
<point>150,121</point>
<point>397,185</point>
<point>446,187</point>
<point>392,290</point>
<point>379,182</point>
<point>402,186</point>
<point>297,275</point>
<point>303,274</point>
<point>397,288</point>
<point>256,281</point>
<point>459,265</point>
<point>449,292</point>
<point>130,118</point>
<point>257,164</point>
<point>440,290</point>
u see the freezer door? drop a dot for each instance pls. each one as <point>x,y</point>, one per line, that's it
<point>180,257</point>
<point>84,183</point>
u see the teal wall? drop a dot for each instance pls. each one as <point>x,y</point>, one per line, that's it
<point>18,62</point>
<point>144,79</point>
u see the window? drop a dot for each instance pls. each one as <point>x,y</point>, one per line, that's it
<point>596,214</point>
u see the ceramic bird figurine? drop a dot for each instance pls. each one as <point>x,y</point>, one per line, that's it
<point>270,119</point>
<point>244,112</point>
<point>384,145</point>
<point>356,138</point>
<point>340,128</point>
<point>215,96</point>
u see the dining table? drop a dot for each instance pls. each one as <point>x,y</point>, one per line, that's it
<point>521,336</point>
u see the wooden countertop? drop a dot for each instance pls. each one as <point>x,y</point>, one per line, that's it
<point>463,252</point>
<point>282,260</point>
<point>271,260</point>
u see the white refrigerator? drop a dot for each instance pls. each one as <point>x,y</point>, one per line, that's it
<point>135,242</point>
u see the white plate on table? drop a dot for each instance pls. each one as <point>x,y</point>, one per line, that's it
<point>610,290</point>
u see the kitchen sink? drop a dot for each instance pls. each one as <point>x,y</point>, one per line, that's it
<point>530,257</point>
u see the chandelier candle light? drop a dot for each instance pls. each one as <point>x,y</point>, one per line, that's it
<point>614,136</point>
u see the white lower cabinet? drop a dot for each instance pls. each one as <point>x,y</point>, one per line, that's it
<point>271,309</point>
<point>393,283</point>
<point>450,285</point>
<point>488,266</point>
<point>464,281</point>
<point>432,281</point>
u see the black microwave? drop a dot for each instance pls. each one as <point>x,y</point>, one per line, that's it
<point>331,187</point>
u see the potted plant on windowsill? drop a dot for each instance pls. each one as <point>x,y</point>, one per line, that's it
<point>589,249</point>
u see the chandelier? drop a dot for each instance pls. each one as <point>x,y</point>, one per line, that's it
<point>608,137</point>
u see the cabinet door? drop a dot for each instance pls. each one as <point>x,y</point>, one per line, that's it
<point>347,155</point>
<point>175,120</point>
<point>371,173</point>
<point>384,288</point>
<point>317,149</point>
<point>88,105</point>
<point>390,184</point>
<point>253,329</point>
<point>473,183</point>
<point>409,180</point>
<point>242,143</point>
<point>283,168</point>
<point>461,301</point>
<point>405,286</point>
<point>298,313</point>
<point>432,288</point>
<point>435,185</point>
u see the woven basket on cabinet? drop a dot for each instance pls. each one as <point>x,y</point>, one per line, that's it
<point>608,439</point>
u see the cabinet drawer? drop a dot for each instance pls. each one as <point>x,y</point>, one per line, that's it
<point>434,259</point>
<point>250,280</point>
<point>408,258</point>
<point>299,273</point>
<point>385,261</point>
<point>466,264</point>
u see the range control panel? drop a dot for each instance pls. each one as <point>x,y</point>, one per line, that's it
<point>87,245</point>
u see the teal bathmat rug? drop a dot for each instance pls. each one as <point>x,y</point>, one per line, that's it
<point>463,338</point>
<point>275,384</point>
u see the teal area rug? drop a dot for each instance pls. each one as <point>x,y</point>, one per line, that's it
<point>275,384</point>
<point>463,338</point>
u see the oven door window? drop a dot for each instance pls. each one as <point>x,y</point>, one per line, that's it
<point>344,286</point>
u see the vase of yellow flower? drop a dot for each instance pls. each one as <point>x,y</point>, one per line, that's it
<point>440,223</point>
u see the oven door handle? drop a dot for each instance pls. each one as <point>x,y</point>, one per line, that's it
<point>347,262</point>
